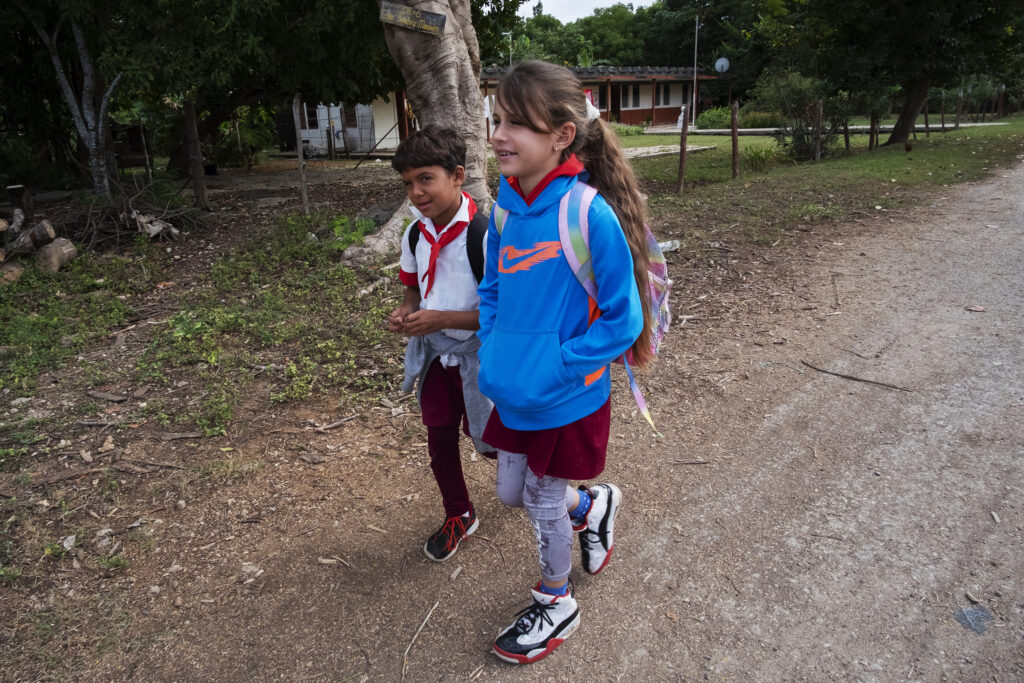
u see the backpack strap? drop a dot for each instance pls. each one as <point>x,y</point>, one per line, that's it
<point>475,232</point>
<point>574,233</point>
<point>414,236</point>
<point>499,215</point>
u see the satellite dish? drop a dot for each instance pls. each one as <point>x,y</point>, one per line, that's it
<point>722,65</point>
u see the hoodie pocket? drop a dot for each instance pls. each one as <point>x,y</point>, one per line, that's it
<point>523,370</point>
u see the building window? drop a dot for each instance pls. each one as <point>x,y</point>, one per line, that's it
<point>636,96</point>
<point>663,94</point>
<point>312,123</point>
<point>624,99</point>
<point>602,98</point>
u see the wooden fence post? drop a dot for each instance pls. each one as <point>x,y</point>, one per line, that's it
<point>735,139</point>
<point>682,156</point>
<point>296,106</point>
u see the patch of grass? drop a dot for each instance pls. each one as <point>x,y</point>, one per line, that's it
<point>9,575</point>
<point>282,300</point>
<point>216,410</point>
<point>47,317</point>
<point>114,562</point>
<point>624,130</point>
<point>54,550</point>
<point>231,469</point>
<point>10,458</point>
<point>26,431</point>
<point>68,636</point>
<point>110,489</point>
<point>813,213</point>
<point>759,158</point>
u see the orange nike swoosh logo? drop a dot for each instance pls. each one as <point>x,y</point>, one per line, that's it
<point>512,259</point>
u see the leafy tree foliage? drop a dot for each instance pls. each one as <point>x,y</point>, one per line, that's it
<point>491,19</point>
<point>864,46</point>
<point>615,34</point>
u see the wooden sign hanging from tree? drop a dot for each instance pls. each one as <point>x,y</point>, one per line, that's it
<point>407,17</point>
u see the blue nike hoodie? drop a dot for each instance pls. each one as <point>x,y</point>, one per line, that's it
<point>540,361</point>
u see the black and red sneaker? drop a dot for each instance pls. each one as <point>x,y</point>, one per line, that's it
<point>443,543</point>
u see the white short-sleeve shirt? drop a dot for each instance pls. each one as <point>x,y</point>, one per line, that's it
<point>454,283</point>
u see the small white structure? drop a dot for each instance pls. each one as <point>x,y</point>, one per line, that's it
<point>356,130</point>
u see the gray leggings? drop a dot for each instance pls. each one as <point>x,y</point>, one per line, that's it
<point>546,500</point>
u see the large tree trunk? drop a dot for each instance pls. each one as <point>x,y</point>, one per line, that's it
<point>196,167</point>
<point>916,94</point>
<point>442,82</point>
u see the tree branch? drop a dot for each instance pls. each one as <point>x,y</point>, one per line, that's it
<point>62,78</point>
<point>105,105</point>
<point>88,79</point>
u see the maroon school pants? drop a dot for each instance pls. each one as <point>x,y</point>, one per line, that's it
<point>444,410</point>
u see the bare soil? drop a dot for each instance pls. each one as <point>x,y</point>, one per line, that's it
<point>789,524</point>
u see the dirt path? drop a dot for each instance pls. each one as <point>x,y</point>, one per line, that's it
<point>790,525</point>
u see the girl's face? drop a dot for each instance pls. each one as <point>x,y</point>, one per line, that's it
<point>525,153</point>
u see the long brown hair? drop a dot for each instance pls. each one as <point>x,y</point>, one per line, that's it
<point>544,97</point>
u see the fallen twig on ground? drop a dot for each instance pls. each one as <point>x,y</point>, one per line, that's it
<point>856,379</point>
<point>405,655</point>
<point>336,424</point>
<point>153,463</point>
<point>172,436</point>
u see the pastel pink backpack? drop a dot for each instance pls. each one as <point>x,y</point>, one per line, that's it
<point>573,232</point>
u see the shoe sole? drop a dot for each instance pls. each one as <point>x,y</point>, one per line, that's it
<point>608,521</point>
<point>470,530</point>
<point>541,653</point>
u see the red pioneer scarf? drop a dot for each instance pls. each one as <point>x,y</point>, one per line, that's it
<point>447,236</point>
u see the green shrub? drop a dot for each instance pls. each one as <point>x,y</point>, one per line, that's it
<point>797,96</point>
<point>242,140</point>
<point>759,158</point>
<point>750,118</point>
<point>622,129</point>
<point>719,117</point>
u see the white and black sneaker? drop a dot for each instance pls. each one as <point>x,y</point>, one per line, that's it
<point>539,628</point>
<point>597,536</point>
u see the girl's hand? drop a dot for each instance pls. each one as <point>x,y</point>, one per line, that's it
<point>423,322</point>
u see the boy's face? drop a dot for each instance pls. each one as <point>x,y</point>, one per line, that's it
<point>435,192</point>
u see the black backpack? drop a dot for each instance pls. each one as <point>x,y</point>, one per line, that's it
<point>475,232</point>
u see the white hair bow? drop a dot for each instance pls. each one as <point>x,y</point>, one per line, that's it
<point>592,111</point>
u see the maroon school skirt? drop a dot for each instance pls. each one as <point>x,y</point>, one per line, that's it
<point>573,451</point>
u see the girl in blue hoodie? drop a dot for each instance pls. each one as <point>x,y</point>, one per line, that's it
<point>545,345</point>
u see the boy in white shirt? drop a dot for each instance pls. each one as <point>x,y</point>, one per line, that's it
<point>441,265</point>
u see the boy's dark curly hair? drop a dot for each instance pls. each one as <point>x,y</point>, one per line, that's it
<point>430,146</point>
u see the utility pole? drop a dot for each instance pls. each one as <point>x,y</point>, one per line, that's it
<point>696,32</point>
<point>509,34</point>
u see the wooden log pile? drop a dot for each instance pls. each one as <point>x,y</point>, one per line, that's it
<point>40,241</point>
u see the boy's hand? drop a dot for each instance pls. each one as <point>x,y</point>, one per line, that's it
<point>396,319</point>
<point>423,322</point>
